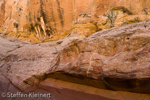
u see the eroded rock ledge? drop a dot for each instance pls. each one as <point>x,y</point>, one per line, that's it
<point>115,59</point>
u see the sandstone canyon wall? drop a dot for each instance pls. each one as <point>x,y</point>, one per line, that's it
<point>111,64</point>
<point>59,15</point>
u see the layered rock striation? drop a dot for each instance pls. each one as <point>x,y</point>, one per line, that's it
<point>26,19</point>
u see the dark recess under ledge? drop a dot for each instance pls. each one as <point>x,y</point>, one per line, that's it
<point>116,84</point>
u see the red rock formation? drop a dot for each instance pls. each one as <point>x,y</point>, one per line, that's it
<point>58,15</point>
<point>109,64</point>
<point>115,59</point>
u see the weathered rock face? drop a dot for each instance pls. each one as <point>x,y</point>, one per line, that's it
<point>116,59</point>
<point>58,15</point>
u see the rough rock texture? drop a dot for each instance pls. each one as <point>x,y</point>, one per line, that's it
<point>19,18</point>
<point>115,59</point>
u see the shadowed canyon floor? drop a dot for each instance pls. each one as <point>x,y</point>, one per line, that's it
<point>99,67</point>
